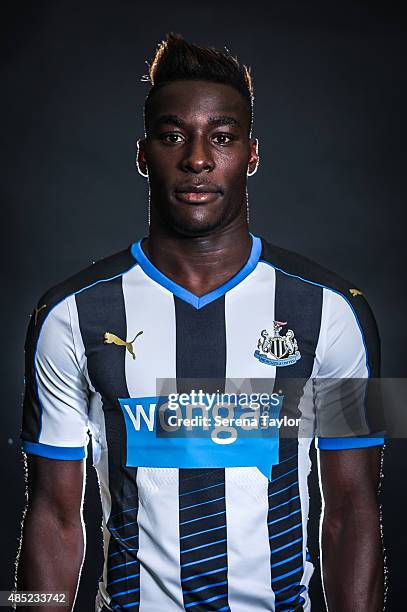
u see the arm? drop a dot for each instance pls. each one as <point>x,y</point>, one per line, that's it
<point>53,537</point>
<point>54,436</point>
<point>351,545</point>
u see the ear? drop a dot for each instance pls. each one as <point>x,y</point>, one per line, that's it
<point>254,157</point>
<point>141,158</point>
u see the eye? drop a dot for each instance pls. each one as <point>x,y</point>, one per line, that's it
<point>222,138</point>
<point>172,138</point>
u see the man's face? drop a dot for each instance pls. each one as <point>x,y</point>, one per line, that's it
<point>197,153</point>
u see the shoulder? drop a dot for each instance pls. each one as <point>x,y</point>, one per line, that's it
<point>307,270</point>
<point>343,298</point>
<point>296,266</point>
<point>101,270</point>
<point>53,303</point>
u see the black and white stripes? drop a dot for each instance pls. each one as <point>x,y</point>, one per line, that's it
<point>196,538</point>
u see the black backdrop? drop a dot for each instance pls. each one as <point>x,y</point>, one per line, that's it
<point>329,98</point>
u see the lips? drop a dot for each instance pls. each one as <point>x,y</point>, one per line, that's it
<point>197,194</point>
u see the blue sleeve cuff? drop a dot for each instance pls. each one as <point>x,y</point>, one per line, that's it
<point>348,443</point>
<point>54,452</point>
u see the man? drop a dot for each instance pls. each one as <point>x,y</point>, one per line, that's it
<point>199,298</point>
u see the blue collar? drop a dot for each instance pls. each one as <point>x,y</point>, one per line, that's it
<point>195,301</point>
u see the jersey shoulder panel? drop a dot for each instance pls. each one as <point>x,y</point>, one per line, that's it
<point>294,264</point>
<point>101,270</point>
<point>299,266</point>
<point>55,386</point>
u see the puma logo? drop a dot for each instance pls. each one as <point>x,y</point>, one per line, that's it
<point>355,292</point>
<point>110,338</point>
<point>37,311</point>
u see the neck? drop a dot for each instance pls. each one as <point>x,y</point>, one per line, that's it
<point>199,263</point>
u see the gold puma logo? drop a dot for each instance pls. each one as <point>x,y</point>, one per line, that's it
<point>355,292</point>
<point>37,311</point>
<point>110,338</point>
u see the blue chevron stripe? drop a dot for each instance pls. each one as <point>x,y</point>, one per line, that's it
<point>288,459</point>
<point>293,597</point>
<point>295,571</point>
<point>122,564</point>
<point>210,501</point>
<point>280,533</point>
<point>285,474</point>
<point>191,535</point>
<point>284,503</point>
<point>121,526</point>
<point>216,571</point>
<point>276,550</point>
<point>123,511</point>
<point>207,586</point>
<point>284,517</point>
<point>203,546</point>
<point>287,560</point>
<point>124,578</point>
<point>126,592</point>
<point>286,588</point>
<point>202,489</point>
<point>201,518</point>
<point>285,489</point>
<point>204,560</point>
<point>205,601</point>
<point>122,550</point>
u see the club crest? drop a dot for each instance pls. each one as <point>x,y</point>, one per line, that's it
<point>277,350</point>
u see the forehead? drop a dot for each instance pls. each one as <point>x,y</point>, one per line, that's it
<point>197,101</point>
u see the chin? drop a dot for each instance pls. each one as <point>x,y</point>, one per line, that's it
<point>190,221</point>
<point>195,227</point>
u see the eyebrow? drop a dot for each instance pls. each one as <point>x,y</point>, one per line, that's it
<point>225,120</point>
<point>172,120</point>
<point>214,121</point>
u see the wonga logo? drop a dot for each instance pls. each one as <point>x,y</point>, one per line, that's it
<point>197,441</point>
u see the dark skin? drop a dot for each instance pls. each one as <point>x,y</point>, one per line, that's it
<point>53,537</point>
<point>198,135</point>
<point>351,546</point>
<point>197,139</point>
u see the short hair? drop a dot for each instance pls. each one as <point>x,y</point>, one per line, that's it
<point>176,59</point>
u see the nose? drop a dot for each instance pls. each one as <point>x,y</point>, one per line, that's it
<point>197,157</point>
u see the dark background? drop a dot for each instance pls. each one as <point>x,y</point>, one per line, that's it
<point>329,96</point>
